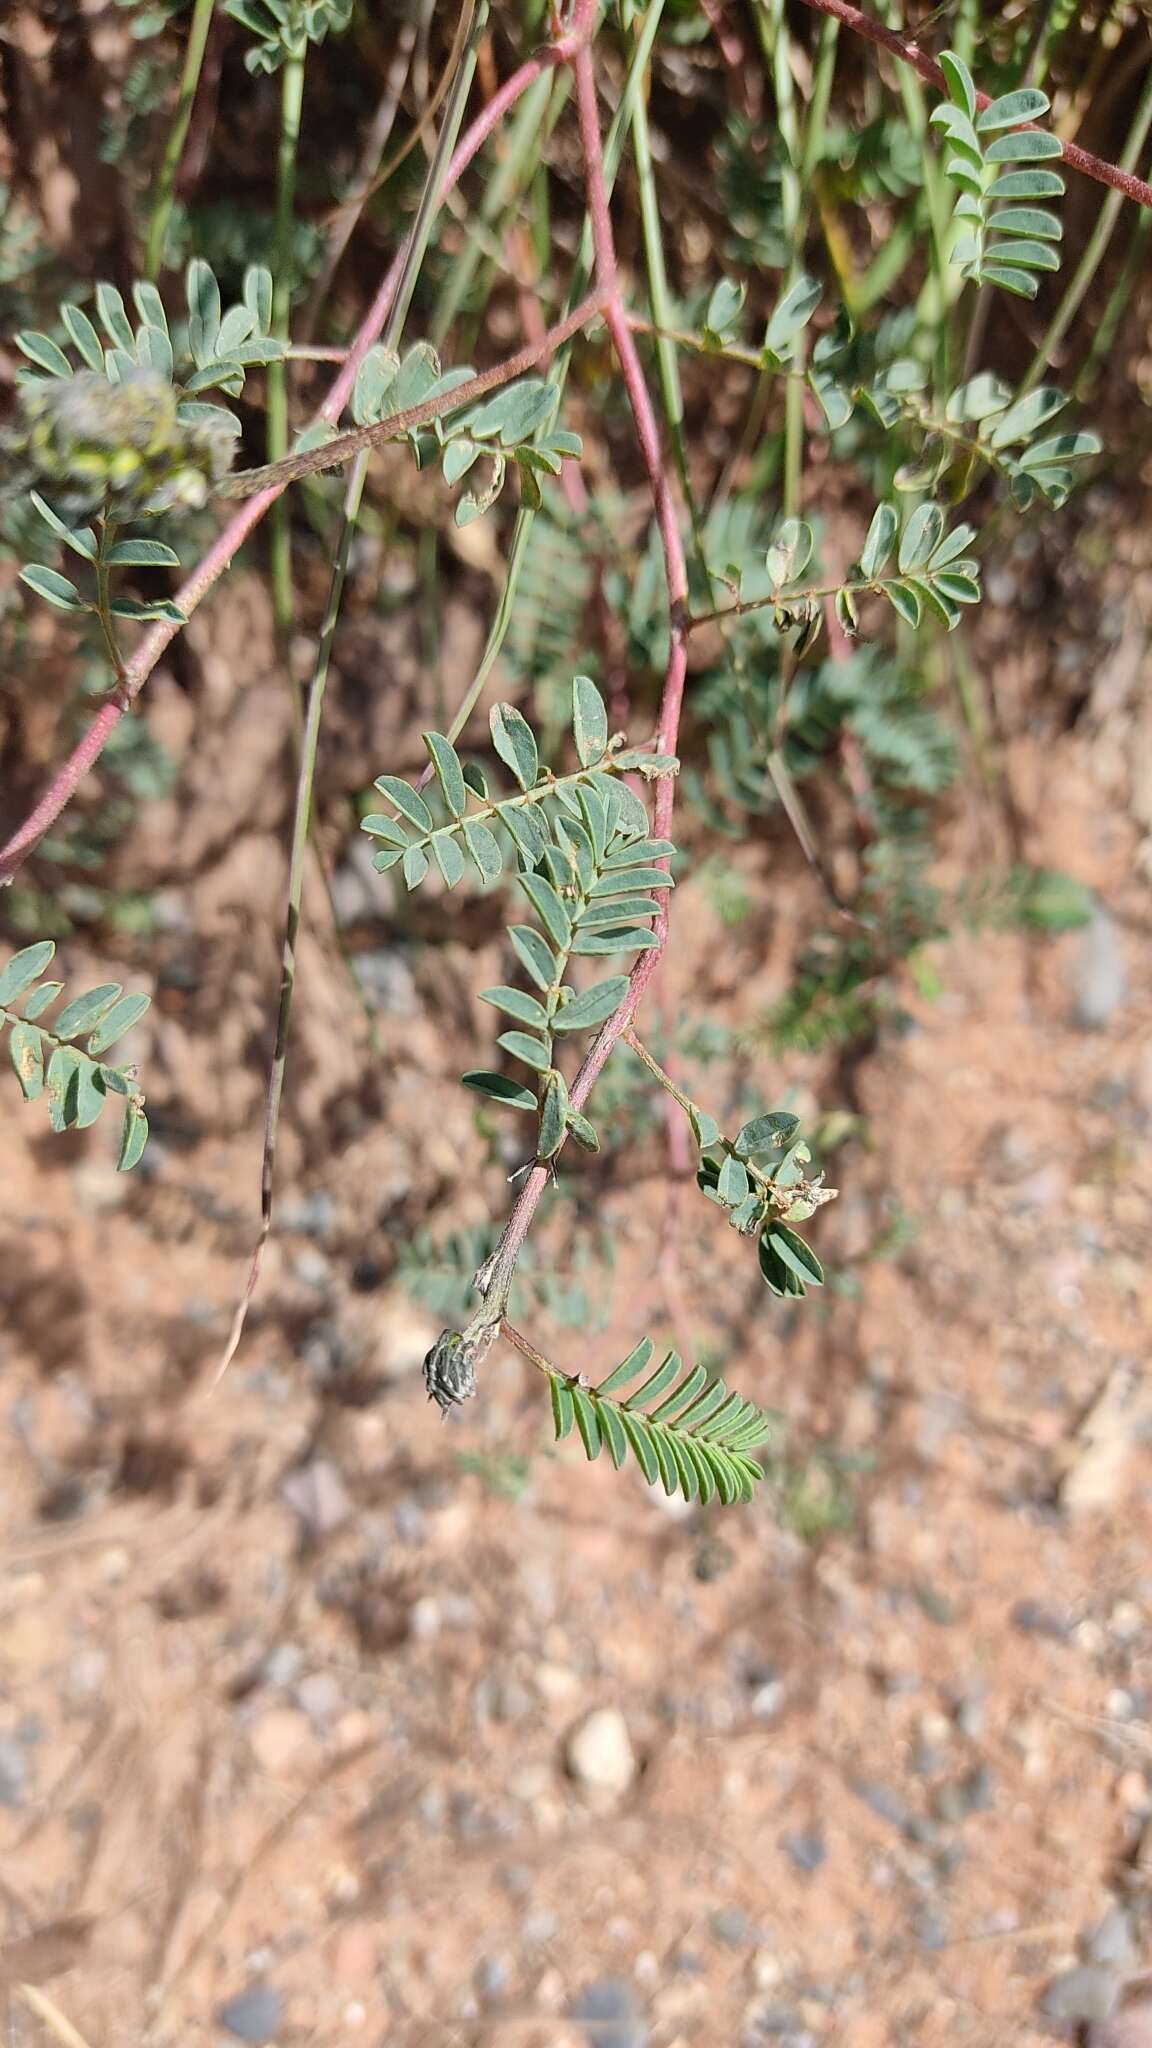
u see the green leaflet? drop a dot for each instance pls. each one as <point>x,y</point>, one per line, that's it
<point>684,1430</point>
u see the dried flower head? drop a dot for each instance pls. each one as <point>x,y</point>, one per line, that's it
<point>91,441</point>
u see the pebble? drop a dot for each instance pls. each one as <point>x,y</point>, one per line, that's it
<point>731,1925</point>
<point>13,1773</point>
<point>310,1215</point>
<point>609,2015</point>
<point>884,1801</point>
<point>1100,974</point>
<point>600,1757</point>
<point>492,1978</point>
<point>317,1495</point>
<point>1112,1941</point>
<point>319,1695</point>
<point>1087,1992</point>
<point>807,1848</point>
<point>1035,1618</point>
<point>253,2015</point>
<point>974,1793</point>
<point>388,980</point>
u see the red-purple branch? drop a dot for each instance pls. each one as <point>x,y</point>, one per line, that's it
<point>909,52</point>
<point>676,578</point>
<point>89,749</point>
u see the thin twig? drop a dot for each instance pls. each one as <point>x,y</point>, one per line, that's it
<point>676,579</point>
<point>89,748</point>
<point>909,52</point>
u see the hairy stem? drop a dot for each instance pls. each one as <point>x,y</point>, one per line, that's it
<point>676,579</point>
<point>908,51</point>
<point>276,414</point>
<point>1081,279</point>
<point>89,748</point>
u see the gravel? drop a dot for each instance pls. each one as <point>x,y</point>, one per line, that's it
<point>253,2015</point>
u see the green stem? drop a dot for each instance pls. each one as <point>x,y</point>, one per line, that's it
<point>105,535</point>
<point>1098,241</point>
<point>291,102</point>
<point>1117,304</point>
<point>166,187</point>
<point>691,1109</point>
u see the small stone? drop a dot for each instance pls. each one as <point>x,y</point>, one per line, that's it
<point>1112,1941</point>
<point>609,2015</point>
<point>1087,1992</point>
<point>253,2015</point>
<point>884,1801</point>
<point>388,979</point>
<point>310,1215</point>
<point>13,1773</point>
<point>320,1697</point>
<point>730,1924</point>
<point>807,1848</point>
<point>1034,1618</point>
<point>973,1793</point>
<point>492,1978</point>
<point>316,1493</point>
<point>1100,974</point>
<point>600,1756</point>
<point>279,1739</point>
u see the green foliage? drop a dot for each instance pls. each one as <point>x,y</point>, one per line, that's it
<point>998,169</point>
<point>286,27</point>
<point>513,425</point>
<point>759,1179</point>
<point>75,1080</point>
<point>682,1428</point>
<point>441,1273</point>
<point>129,435</point>
<point>844,986</point>
<point>585,862</point>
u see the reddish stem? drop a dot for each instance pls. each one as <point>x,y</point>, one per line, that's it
<point>676,577</point>
<point>909,52</point>
<point>89,749</point>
